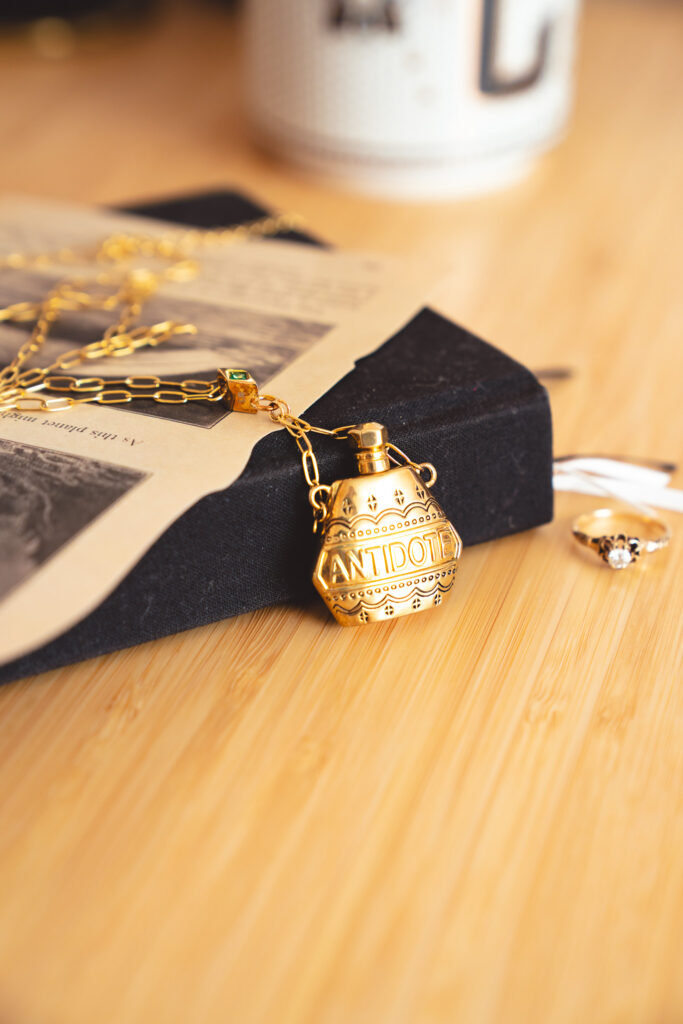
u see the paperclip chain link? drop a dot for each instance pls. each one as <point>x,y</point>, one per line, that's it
<point>123,289</point>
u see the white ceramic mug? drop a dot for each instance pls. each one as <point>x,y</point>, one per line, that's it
<point>411,97</point>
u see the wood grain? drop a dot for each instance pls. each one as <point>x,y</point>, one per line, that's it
<point>473,815</point>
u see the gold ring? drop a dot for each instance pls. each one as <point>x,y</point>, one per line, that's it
<point>639,533</point>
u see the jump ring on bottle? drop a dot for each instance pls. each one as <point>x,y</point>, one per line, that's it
<point>427,467</point>
<point>314,496</point>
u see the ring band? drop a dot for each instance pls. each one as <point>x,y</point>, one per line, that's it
<point>643,534</point>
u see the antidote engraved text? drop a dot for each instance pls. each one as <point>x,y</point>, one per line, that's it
<point>382,559</point>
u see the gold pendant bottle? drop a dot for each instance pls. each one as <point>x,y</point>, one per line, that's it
<point>387,547</point>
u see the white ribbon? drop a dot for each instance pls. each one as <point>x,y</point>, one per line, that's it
<point>636,484</point>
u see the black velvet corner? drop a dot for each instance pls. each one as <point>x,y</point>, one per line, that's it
<point>445,395</point>
<point>219,209</point>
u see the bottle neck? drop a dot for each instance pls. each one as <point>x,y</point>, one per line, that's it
<point>372,460</point>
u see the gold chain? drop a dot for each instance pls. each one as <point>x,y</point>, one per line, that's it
<point>299,429</point>
<point>124,291</point>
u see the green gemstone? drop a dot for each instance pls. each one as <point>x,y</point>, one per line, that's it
<point>238,375</point>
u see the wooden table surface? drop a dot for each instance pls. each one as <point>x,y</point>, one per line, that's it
<point>473,815</point>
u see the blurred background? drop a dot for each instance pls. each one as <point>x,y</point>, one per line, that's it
<point>528,147</point>
<point>393,98</point>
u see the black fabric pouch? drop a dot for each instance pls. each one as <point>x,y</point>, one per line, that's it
<point>446,397</point>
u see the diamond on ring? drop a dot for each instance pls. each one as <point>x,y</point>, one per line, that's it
<point>619,552</point>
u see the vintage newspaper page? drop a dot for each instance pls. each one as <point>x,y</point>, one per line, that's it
<point>83,493</point>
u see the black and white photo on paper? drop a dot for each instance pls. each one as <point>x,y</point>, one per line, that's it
<point>226,336</point>
<point>46,498</point>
